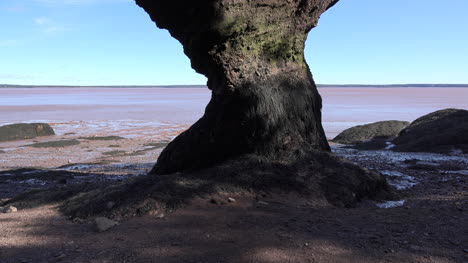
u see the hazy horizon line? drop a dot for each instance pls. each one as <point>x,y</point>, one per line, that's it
<point>202,85</point>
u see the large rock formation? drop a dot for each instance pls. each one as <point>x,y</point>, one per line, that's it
<point>376,130</point>
<point>23,131</point>
<point>442,131</point>
<point>264,100</point>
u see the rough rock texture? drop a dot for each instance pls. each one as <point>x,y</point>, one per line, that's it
<point>23,131</point>
<point>103,224</point>
<point>442,131</point>
<point>376,130</point>
<point>264,100</point>
<point>10,209</point>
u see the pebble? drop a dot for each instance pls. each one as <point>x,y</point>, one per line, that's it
<point>10,209</point>
<point>415,247</point>
<point>231,200</point>
<point>103,224</point>
<point>110,205</point>
<point>59,257</point>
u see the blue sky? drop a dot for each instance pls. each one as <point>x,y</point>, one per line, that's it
<point>113,42</point>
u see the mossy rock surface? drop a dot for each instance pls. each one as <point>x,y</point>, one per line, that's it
<point>51,144</point>
<point>442,131</point>
<point>114,153</point>
<point>21,131</point>
<point>376,130</point>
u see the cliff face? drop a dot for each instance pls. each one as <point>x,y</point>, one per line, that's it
<point>264,100</point>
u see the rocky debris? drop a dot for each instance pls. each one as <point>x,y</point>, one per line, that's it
<point>21,131</point>
<point>10,209</point>
<point>376,130</point>
<point>103,224</point>
<point>110,205</point>
<point>443,131</point>
<point>59,257</point>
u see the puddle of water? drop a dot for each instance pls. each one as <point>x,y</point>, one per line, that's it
<point>464,172</point>
<point>389,146</point>
<point>33,181</point>
<point>391,204</point>
<point>399,180</point>
<point>397,157</point>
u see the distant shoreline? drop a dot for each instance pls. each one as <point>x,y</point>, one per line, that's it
<point>204,86</point>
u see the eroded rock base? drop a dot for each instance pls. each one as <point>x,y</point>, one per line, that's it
<point>319,178</point>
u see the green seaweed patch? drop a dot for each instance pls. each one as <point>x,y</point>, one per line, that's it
<point>114,146</point>
<point>52,144</point>
<point>102,138</point>
<point>114,153</point>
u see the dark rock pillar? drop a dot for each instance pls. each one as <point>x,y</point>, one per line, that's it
<point>264,100</point>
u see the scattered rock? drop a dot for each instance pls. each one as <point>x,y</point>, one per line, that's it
<point>376,130</point>
<point>23,131</point>
<point>110,205</point>
<point>161,216</point>
<point>78,220</point>
<point>261,204</point>
<point>442,131</point>
<point>103,224</point>
<point>59,257</point>
<point>415,247</point>
<point>10,209</point>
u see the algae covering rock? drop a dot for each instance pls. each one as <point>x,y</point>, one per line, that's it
<point>264,100</point>
<point>376,130</point>
<point>442,131</point>
<point>23,131</point>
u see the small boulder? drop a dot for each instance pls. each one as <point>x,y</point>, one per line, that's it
<point>103,224</point>
<point>21,131</point>
<point>376,130</point>
<point>442,131</point>
<point>10,209</point>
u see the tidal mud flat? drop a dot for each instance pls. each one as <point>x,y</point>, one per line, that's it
<point>426,223</point>
<point>116,109</point>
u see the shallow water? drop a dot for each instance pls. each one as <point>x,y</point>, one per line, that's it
<point>117,109</point>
